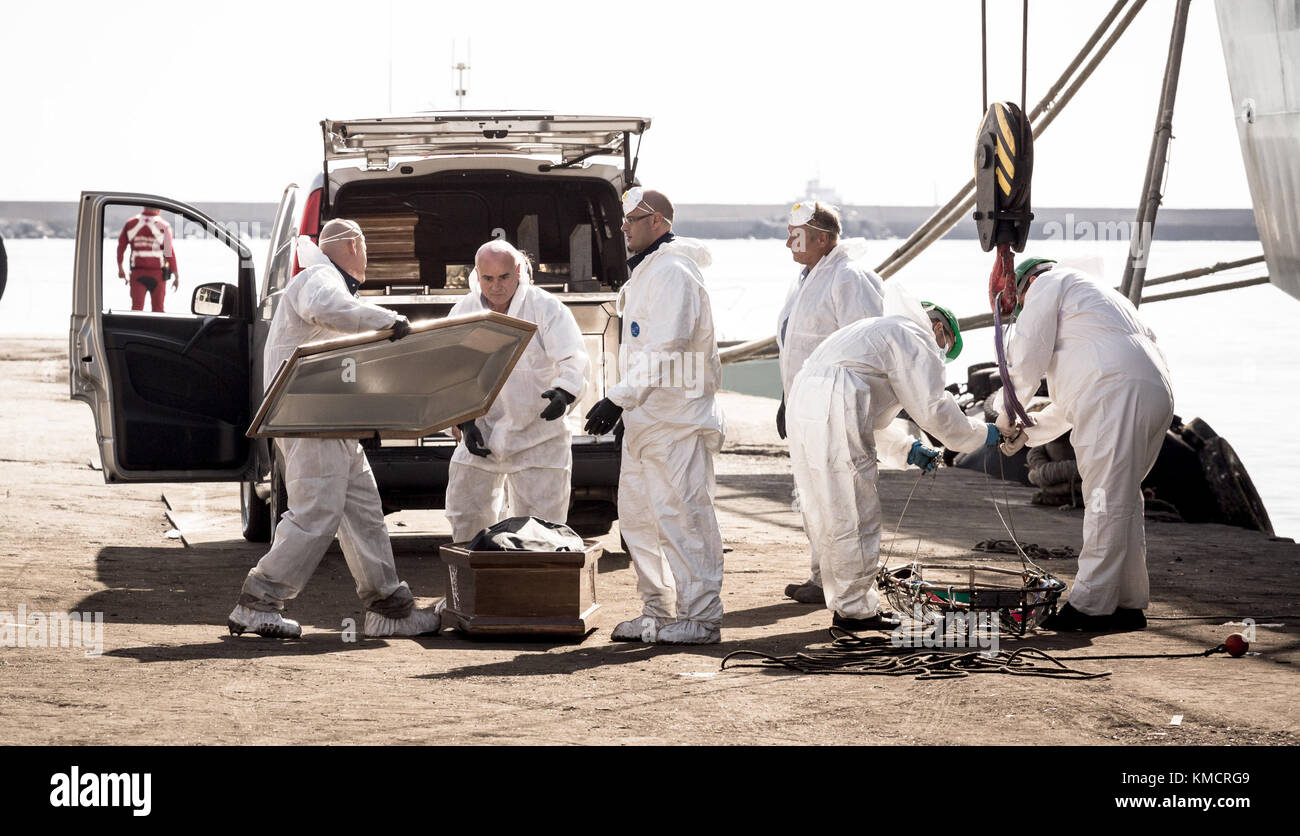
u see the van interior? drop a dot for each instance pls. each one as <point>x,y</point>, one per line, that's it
<point>422,232</point>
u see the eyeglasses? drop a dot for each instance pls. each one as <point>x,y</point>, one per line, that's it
<point>629,220</point>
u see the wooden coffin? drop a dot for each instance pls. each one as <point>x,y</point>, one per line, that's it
<point>520,593</point>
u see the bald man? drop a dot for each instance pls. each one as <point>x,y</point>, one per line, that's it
<point>331,488</point>
<point>517,460</point>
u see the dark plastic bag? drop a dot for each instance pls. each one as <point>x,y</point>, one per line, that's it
<point>527,534</point>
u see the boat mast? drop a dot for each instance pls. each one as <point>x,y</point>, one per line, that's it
<point>459,68</point>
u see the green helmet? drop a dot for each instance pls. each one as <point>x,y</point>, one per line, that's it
<point>930,307</point>
<point>1025,270</point>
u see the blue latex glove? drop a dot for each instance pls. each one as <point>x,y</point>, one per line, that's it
<point>993,437</point>
<point>923,457</point>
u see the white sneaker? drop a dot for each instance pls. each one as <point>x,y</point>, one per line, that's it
<point>689,632</point>
<point>643,628</point>
<point>418,623</point>
<point>270,625</point>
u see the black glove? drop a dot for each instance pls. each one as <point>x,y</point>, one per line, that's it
<point>473,439</point>
<point>559,402</point>
<point>780,418</point>
<point>401,327</point>
<point>602,417</point>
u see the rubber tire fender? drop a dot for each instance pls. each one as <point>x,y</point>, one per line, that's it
<point>279,500</point>
<point>254,514</point>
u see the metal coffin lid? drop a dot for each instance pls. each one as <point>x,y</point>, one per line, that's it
<point>444,372</point>
<point>466,132</point>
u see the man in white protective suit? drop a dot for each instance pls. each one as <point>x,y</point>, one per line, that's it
<point>669,374</point>
<point>331,488</point>
<point>834,289</point>
<point>841,408</point>
<point>517,460</point>
<point>1109,382</point>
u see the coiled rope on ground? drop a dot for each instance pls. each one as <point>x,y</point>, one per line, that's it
<point>877,656</point>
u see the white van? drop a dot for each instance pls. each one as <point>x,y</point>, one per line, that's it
<point>173,393</point>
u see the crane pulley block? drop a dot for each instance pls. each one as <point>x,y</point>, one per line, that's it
<point>1004,165</point>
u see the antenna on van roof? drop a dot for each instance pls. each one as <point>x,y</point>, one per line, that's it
<point>460,67</point>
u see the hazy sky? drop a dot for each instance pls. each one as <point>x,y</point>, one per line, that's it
<point>222,101</point>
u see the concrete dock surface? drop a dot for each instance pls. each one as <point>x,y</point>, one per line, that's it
<point>170,673</point>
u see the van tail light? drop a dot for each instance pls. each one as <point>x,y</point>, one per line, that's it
<point>310,225</point>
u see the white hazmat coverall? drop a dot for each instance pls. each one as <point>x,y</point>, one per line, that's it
<point>331,488</point>
<point>843,402</point>
<point>1109,382</point>
<point>839,289</point>
<point>670,372</point>
<point>529,470</point>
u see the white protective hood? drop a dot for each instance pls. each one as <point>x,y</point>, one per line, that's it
<point>310,255</point>
<point>900,302</point>
<point>692,248</point>
<point>837,291</point>
<point>556,357</point>
<point>667,327</point>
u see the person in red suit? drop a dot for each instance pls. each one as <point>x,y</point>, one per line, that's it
<point>153,257</point>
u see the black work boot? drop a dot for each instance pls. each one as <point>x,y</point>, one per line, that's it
<point>883,620</point>
<point>1128,619</point>
<point>1069,620</point>
<point>806,593</point>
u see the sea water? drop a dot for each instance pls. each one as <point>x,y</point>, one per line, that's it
<point>1231,354</point>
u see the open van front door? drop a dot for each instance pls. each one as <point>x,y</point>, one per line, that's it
<point>166,374</point>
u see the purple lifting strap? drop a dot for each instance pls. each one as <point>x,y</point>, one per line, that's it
<point>1010,403</point>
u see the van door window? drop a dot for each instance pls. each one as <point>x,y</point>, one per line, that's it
<point>155,258</point>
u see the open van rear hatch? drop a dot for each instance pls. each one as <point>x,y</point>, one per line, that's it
<point>566,139</point>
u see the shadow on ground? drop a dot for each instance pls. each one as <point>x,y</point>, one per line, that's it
<point>582,658</point>
<point>199,586</point>
<point>758,494</point>
<point>250,647</point>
